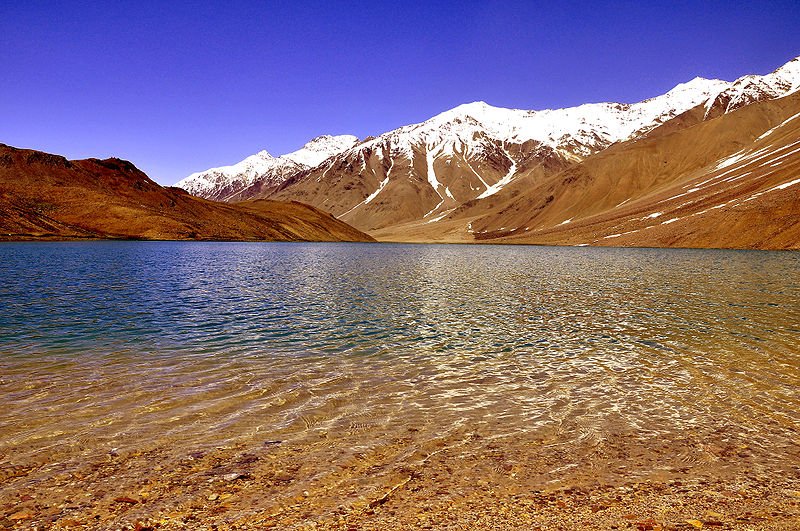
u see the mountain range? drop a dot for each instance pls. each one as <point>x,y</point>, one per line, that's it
<point>694,167</point>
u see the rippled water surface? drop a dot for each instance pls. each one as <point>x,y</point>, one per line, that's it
<point>117,345</point>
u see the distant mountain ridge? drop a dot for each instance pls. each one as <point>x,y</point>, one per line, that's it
<point>572,132</point>
<point>424,170</point>
<point>224,183</point>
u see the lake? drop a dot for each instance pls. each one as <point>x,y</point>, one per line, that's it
<point>155,372</point>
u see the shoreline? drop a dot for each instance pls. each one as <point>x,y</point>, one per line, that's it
<point>56,239</point>
<point>359,480</point>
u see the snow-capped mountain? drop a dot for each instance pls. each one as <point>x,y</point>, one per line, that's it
<point>750,89</point>
<point>731,181</point>
<point>474,129</point>
<point>226,182</point>
<point>424,171</point>
<point>576,131</point>
<point>321,148</point>
<point>421,173</point>
<point>222,183</point>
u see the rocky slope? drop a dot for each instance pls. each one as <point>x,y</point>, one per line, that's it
<point>45,196</point>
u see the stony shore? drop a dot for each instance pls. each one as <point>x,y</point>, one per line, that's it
<point>462,480</point>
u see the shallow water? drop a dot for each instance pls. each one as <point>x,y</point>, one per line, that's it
<point>116,346</point>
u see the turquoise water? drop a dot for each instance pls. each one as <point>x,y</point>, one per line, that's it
<point>120,344</point>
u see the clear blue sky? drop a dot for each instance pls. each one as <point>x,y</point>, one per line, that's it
<point>180,87</point>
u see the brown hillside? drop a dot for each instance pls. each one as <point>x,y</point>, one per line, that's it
<point>721,183</point>
<point>44,196</point>
<point>376,188</point>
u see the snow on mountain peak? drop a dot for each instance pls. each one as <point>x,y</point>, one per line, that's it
<point>474,109</point>
<point>697,86</point>
<point>480,111</point>
<point>477,128</point>
<point>752,88</point>
<point>580,130</point>
<point>314,152</point>
<point>226,181</point>
<point>790,72</point>
<point>331,140</point>
<point>221,182</point>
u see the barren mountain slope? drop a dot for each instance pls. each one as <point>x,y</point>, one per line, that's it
<point>47,196</point>
<point>391,182</point>
<point>731,182</point>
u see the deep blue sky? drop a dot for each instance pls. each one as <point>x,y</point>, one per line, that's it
<point>177,89</point>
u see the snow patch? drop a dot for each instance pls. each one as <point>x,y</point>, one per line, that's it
<point>374,194</point>
<point>440,216</point>
<point>784,186</point>
<point>767,133</point>
<point>507,178</point>
<point>434,209</point>
<point>430,157</point>
<point>619,205</point>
